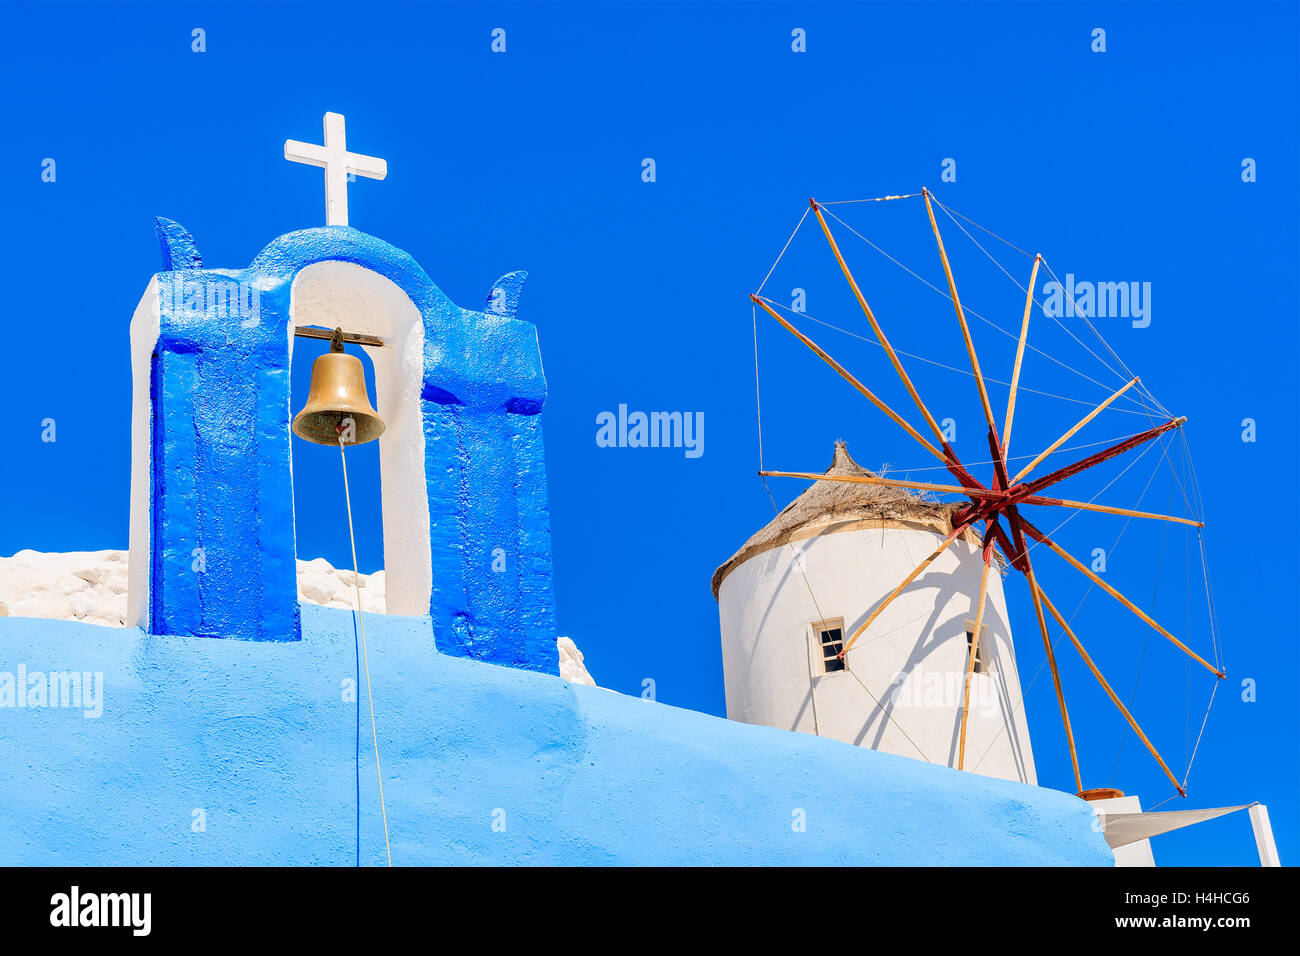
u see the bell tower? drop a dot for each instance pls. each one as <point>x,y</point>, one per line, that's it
<point>462,468</point>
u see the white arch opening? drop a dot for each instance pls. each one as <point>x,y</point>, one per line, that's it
<point>334,294</point>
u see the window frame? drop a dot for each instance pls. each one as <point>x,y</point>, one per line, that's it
<point>983,660</point>
<point>817,647</point>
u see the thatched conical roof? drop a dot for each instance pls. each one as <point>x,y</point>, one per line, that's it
<point>830,506</point>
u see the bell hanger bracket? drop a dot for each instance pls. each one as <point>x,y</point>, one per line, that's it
<point>337,337</point>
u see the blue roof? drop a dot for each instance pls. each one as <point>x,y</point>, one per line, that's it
<point>253,752</point>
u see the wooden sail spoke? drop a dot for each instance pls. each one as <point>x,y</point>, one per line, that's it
<point>970,660</point>
<point>953,536</point>
<point>848,377</point>
<point>1020,355</point>
<point>891,482</point>
<point>875,326</point>
<point>1069,434</point>
<point>1107,509</point>
<point>1142,615</point>
<point>1110,693</point>
<point>1056,677</point>
<point>1038,484</point>
<point>980,493</point>
<point>961,318</point>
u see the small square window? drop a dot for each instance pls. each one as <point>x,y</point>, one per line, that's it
<point>830,641</point>
<point>981,652</point>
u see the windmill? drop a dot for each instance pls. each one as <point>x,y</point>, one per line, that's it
<point>1007,502</point>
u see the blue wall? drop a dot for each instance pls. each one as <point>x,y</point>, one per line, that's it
<point>258,736</point>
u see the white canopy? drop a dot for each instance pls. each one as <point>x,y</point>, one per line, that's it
<point>1124,828</point>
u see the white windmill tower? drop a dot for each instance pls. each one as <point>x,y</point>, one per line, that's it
<point>789,598</point>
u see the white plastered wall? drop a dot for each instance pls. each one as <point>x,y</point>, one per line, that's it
<point>912,659</point>
<point>1130,854</point>
<point>145,326</point>
<point>344,295</point>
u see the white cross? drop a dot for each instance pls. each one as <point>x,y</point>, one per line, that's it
<point>337,163</point>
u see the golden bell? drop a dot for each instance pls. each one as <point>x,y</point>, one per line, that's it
<point>338,392</point>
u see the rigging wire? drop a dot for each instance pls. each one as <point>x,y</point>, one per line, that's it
<point>1024,693</point>
<point>1188,743</point>
<point>992,259</point>
<point>356,754</point>
<point>1094,498</point>
<point>783,249</point>
<point>1028,255</point>
<point>846,202</point>
<point>797,558</point>
<point>1174,468</point>
<point>1080,447</point>
<point>952,368</point>
<point>1154,807</point>
<point>1146,637</point>
<point>758,395</point>
<point>969,311</point>
<point>1075,312</point>
<point>1204,721</point>
<point>1100,338</point>
<point>1205,564</point>
<point>360,619</point>
<point>1016,282</point>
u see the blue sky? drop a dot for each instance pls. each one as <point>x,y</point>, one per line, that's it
<point>1117,166</point>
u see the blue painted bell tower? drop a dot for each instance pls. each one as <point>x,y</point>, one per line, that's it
<point>212,527</point>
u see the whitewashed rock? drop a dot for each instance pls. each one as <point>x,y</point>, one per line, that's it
<point>90,586</point>
<point>571,666</point>
<point>85,586</point>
